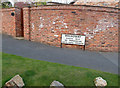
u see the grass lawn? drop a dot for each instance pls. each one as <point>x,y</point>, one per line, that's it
<point>42,73</point>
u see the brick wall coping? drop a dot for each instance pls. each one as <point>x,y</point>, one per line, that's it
<point>8,9</point>
<point>75,7</point>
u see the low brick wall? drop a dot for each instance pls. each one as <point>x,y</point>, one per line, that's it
<point>11,22</point>
<point>8,21</point>
<point>45,24</point>
<point>0,21</point>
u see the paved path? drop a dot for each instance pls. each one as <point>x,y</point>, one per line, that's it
<point>107,62</point>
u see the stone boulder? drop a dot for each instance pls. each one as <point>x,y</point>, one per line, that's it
<point>56,84</point>
<point>100,82</point>
<point>16,82</point>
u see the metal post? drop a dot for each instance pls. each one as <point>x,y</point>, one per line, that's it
<point>84,47</point>
<point>61,45</point>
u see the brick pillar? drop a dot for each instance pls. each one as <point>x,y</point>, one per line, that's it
<point>26,23</point>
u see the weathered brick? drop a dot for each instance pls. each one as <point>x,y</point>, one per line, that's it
<point>11,22</point>
<point>96,23</point>
<point>8,21</point>
<point>45,24</point>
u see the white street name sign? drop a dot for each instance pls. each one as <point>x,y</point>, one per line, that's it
<point>73,39</point>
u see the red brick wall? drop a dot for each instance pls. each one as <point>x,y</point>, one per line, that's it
<point>11,25</point>
<point>19,18</point>
<point>0,21</point>
<point>98,24</point>
<point>8,22</point>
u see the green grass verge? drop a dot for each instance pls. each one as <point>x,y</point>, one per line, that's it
<point>42,73</point>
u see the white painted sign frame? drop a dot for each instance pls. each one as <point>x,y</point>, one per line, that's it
<point>73,39</point>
